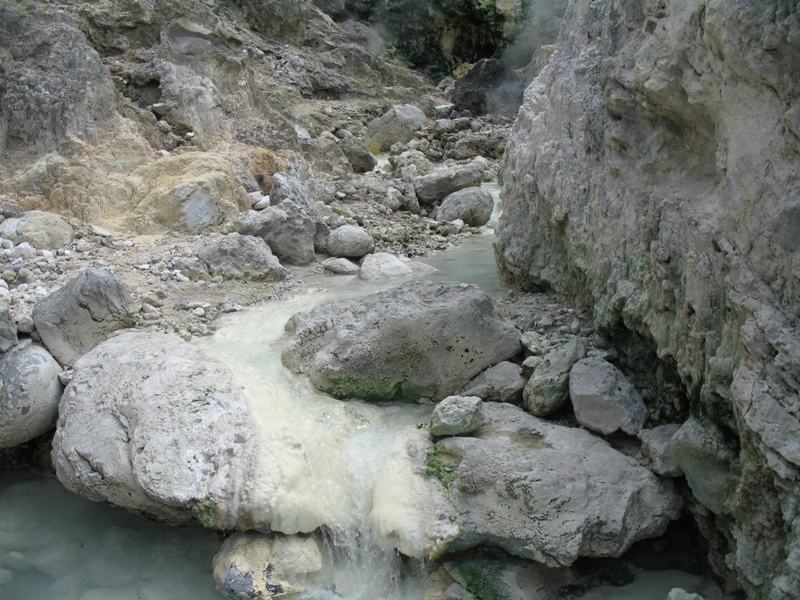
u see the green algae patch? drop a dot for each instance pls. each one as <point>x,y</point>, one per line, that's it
<point>443,466</point>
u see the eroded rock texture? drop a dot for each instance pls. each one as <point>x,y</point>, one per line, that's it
<point>653,173</point>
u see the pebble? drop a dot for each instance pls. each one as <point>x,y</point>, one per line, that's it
<point>199,312</point>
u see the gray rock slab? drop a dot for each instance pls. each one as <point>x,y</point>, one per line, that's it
<point>418,339</point>
<point>8,330</point>
<point>42,230</point>
<point>74,319</point>
<point>548,388</point>
<point>381,265</point>
<point>502,382</point>
<point>236,256</point>
<point>551,493</point>
<point>603,399</point>
<point>656,445</point>
<point>445,180</point>
<point>340,266</point>
<point>398,124</point>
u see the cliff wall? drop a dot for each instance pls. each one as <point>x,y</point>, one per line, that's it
<point>654,174</point>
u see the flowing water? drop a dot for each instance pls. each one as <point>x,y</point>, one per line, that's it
<point>337,466</point>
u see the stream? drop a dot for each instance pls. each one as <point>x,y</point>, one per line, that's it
<point>341,475</point>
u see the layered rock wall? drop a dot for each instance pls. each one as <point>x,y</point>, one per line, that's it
<point>654,174</point>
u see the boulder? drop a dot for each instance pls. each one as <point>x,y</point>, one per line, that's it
<point>550,493</point>
<point>548,388</point>
<point>255,565</point>
<point>236,256</point>
<point>349,241</point>
<point>419,339</point>
<point>398,124</point>
<point>340,266</point>
<point>473,205</point>
<point>408,158</point>
<point>8,330</point>
<point>292,227</point>
<point>381,265</point>
<point>445,180</point>
<point>151,424</point>
<point>502,382</point>
<point>490,86</point>
<point>709,462</point>
<point>656,446</point>
<point>29,394</point>
<point>74,319</point>
<point>603,399</point>
<point>42,230</point>
<point>358,155</point>
<point>457,415</point>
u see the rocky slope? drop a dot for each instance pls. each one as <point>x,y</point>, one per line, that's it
<point>653,174</point>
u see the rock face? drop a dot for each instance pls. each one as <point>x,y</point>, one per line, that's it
<point>472,205</point>
<point>512,490</point>
<point>29,395</point>
<point>490,86</point>
<point>419,339</point>
<point>149,423</point>
<point>398,124</point>
<point>83,313</point>
<point>630,178</point>
<point>604,401</point>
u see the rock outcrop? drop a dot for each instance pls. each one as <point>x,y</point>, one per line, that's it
<point>421,339</point>
<point>652,175</point>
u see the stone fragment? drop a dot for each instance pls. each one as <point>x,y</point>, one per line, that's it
<point>457,415</point>
<point>42,230</point>
<point>74,319</point>
<point>445,180</point>
<point>548,388</point>
<point>255,565</point>
<point>709,463</point>
<point>398,124</point>
<point>358,155</point>
<point>420,339</point>
<point>603,399</point>
<point>8,330</point>
<point>656,445</point>
<point>151,424</point>
<point>550,493</point>
<point>340,266</point>
<point>382,265</point>
<point>502,382</point>
<point>29,393</point>
<point>349,241</point>
<point>236,256</point>
<point>473,205</point>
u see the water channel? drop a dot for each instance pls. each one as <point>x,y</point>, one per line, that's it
<point>57,546</point>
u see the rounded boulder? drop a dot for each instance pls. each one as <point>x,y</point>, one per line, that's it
<point>350,241</point>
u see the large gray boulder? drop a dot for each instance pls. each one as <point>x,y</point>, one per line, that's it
<point>29,393</point>
<point>292,227</point>
<point>151,424</point>
<point>473,205</point>
<point>398,124</point>
<point>550,493</point>
<point>445,180</point>
<point>74,319</point>
<point>548,388</point>
<point>349,241</point>
<point>419,339</point>
<point>236,256</point>
<point>382,265</point>
<point>42,230</point>
<point>603,399</point>
<point>358,155</point>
